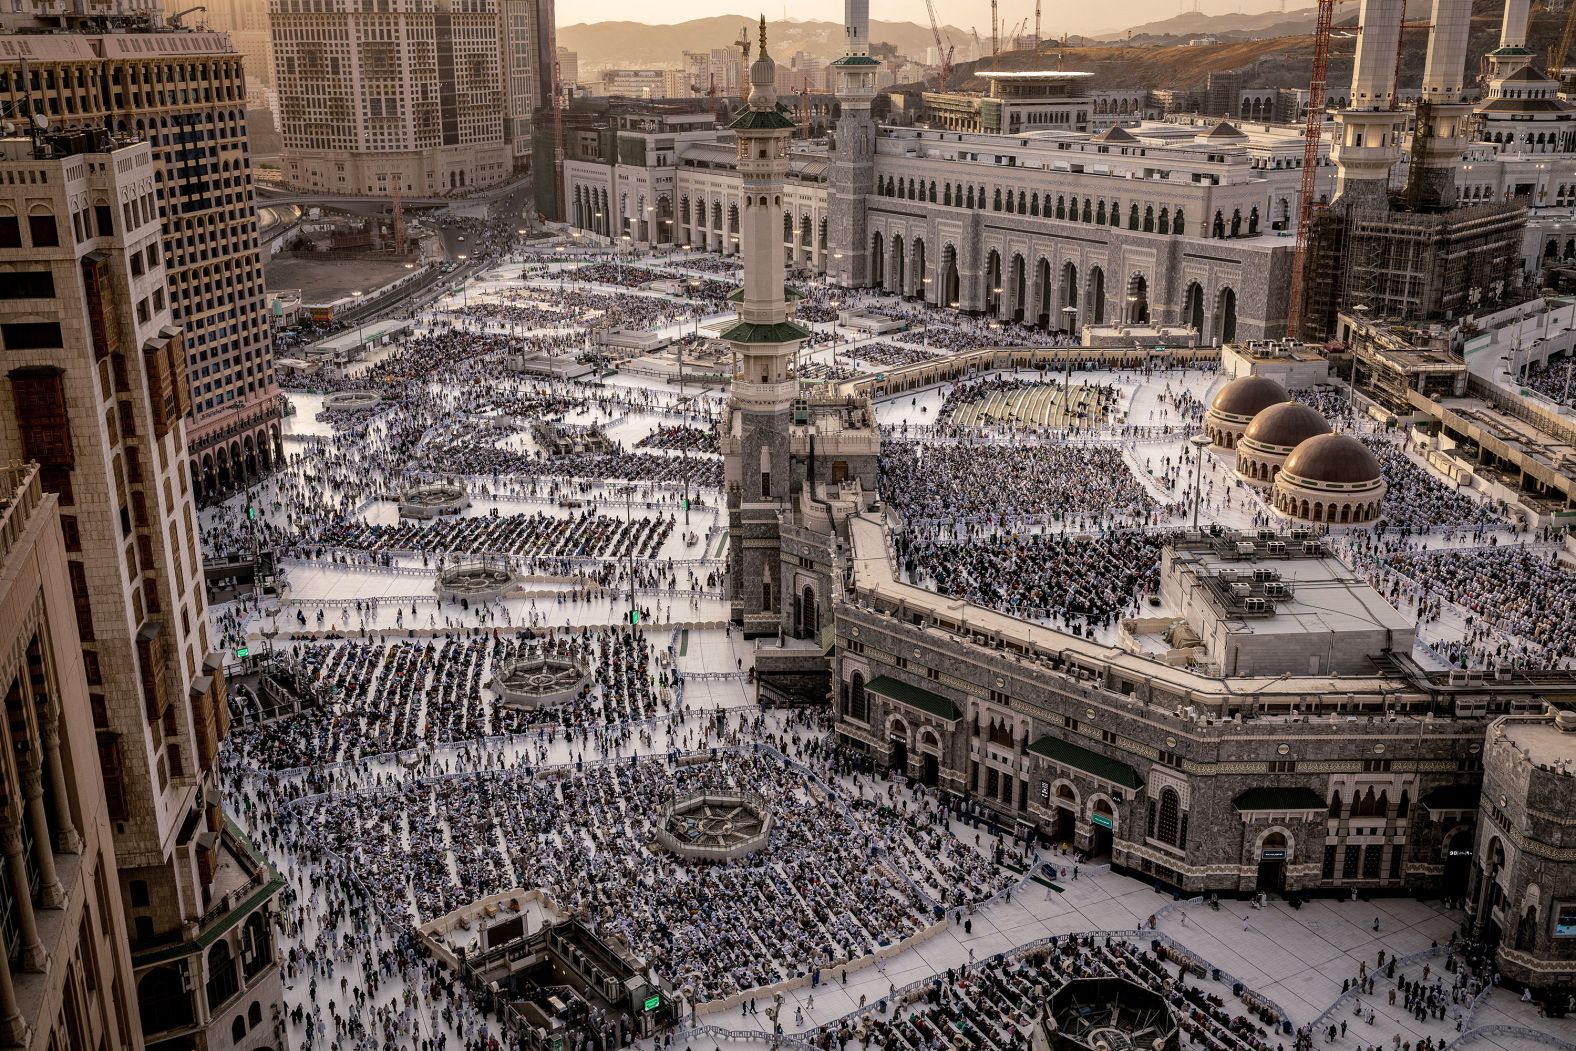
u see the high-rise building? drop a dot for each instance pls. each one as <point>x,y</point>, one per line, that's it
<point>93,391</point>
<point>185,93</point>
<point>427,97</point>
<point>719,69</point>
<point>67,925</point>
<point>568,67</point>
<point>528,38</point>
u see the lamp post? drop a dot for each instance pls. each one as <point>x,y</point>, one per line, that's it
<point>1071,313</point>
<point>361,340</point>
<point>465,285</point>
<point>1199,442</point>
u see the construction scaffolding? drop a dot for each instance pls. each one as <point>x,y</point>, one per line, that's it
<point>1402,265</point>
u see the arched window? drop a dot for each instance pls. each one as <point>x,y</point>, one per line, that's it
<point>1132,216</point>
<point>254,1014</point>
<point>238,1029</point>
<point>995,204</point>
<point>1367,804</point>
<point>1034,204</point>
<point>1335,804</point>
<point>1168,826</point>
<point>858,704</point>
<point>222,979</point>
<point>1176,223</point>
<point>163,1001</point>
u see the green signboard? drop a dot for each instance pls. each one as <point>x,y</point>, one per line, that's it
<point>1101,820</point>
<point>242,651</point>
<point>653,1001</point>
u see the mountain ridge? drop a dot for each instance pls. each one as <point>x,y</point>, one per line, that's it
<point>636,44</point>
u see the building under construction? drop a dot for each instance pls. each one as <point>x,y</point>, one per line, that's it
<point>1414,254</point>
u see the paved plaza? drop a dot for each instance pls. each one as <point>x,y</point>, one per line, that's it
<point>399,787</point>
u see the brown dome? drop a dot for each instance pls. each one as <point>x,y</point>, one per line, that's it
<point>1288,425</point>
<point>1334,458</point>
<point>1248,396</point>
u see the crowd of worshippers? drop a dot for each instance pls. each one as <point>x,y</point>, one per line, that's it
<point>1516,602</point>
<point>586,534</point>
<point>1084,583</point>
<point>938,483</point>
<point>952,332</point>
<point>372,698</point>
<point>998,1004</point>
<point>1091,404</point>
<point>1415,500</point>
<point>1555,381</point>
<point>833,883</point>
<point>475,452</point>
<point>682,437</point>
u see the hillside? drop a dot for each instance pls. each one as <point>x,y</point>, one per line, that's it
<point>636,44</point>
<point>1196,23</point>
<point>1282,61</point>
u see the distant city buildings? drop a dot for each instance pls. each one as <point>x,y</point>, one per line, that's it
<point>568,67</point>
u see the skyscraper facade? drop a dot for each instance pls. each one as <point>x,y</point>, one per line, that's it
<point>65,976</point>
<point>93,390</point>
<point>185,93</point>
<point>428,97</point>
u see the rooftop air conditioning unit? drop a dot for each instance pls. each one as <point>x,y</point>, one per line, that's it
<point>1275,589</point>
<point>1276,547</point>
<point>1257,605</point>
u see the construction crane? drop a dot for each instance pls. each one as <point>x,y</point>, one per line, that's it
<point>1558,58</point>
<point>995,32</point>
<point>743,43</point>
<point>804,106</point>
<point>979,49</point>
<point>175,19</point>
<point>1037,25</point>
<point>1313,130</point>
<point>943,51</point>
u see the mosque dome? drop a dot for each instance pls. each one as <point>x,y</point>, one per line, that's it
<point>1333,459</point>
<point>1286,425</point>
<point>1247,396</point>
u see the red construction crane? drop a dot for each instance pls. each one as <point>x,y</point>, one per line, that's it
<point>1313,130</point>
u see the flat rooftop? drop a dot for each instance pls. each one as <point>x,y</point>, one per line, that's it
<point>1324,596</point>
<point>1540,740</point>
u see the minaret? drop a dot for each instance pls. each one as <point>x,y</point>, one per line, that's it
<point>760,403</point>
<point>1513,52</point>
<point>1368,142</point>
<point>1439,122</point>
<point>853,172</point>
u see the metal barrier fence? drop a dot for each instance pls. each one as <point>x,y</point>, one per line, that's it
<point>1521,1032</point>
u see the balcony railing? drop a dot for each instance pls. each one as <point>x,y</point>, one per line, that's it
<point>20,493</point>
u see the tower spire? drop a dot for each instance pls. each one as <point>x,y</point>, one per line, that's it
<point>763,36</point>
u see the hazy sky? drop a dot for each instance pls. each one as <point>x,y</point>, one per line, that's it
<point>1056,16</point>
